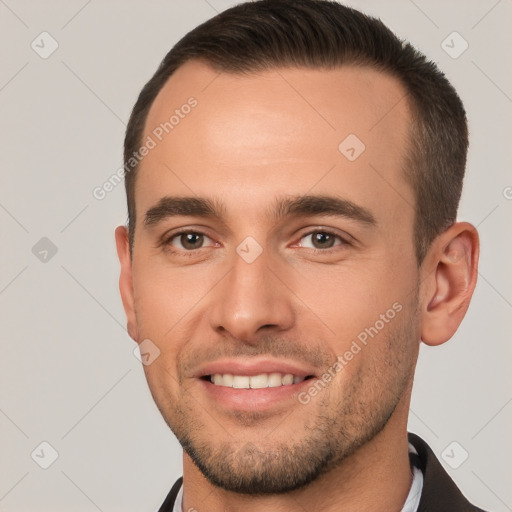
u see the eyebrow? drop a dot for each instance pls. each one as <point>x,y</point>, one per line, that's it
<point>295,206</point>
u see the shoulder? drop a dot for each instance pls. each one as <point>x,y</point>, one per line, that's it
<point>440,493</point>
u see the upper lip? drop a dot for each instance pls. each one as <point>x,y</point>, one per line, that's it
<point>253,366</point>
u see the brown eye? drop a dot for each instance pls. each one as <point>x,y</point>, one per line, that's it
<point>188,241</point>
<point>321,240</point>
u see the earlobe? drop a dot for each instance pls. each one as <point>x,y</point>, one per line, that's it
<point>126,280</point>
<point>451,280</point>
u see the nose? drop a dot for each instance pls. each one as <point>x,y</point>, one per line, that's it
<point>252,298</point>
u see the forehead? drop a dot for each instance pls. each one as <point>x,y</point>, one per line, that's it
<point>250,137</point>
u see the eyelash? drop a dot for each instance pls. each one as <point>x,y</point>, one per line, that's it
<point>167,241</point>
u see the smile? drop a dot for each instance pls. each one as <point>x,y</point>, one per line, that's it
<point>260,381</point>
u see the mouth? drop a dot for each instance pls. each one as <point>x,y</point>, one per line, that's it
<point>250,393</point>
<point>253,384</point>
<point>260,381</point>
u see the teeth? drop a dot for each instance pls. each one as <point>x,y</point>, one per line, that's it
<point>287,379</point>
<point>227,380</point>
<point>258,381</point>
<point>263,380</point>
<point>240,382</point>
<point>275,380</point>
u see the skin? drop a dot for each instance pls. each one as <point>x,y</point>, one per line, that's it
<point>251,140</point>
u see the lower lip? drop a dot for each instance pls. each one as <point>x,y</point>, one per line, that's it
<point>254,399</point>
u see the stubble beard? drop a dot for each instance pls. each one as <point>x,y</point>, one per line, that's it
<point>337,427</point>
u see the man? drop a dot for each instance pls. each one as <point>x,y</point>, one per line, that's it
<point>293,172</point>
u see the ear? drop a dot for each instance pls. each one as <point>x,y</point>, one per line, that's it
<point>125,279</point>
<point>449,277</point>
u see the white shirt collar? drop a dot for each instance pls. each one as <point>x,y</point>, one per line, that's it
<point>413,499</point>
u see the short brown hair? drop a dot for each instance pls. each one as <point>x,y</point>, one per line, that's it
<point>270,34</point>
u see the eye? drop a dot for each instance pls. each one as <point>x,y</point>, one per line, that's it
<point>320,239</point>
<point>188,240</point>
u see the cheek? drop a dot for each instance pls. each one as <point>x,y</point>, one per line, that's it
<point>381,355</point>
<point>165,298</point>
<point>350,299</point>
<point>367,308</point>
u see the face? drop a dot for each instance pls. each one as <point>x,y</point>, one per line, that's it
<point>274,269</point>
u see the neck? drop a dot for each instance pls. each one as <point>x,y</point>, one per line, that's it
<point>376,478</point>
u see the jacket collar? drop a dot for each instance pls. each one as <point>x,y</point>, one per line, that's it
<point>440,494</point>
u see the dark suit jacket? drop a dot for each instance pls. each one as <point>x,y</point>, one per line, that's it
<point>440,494</point>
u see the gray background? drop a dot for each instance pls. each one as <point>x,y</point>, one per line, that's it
<point>68,375</point>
